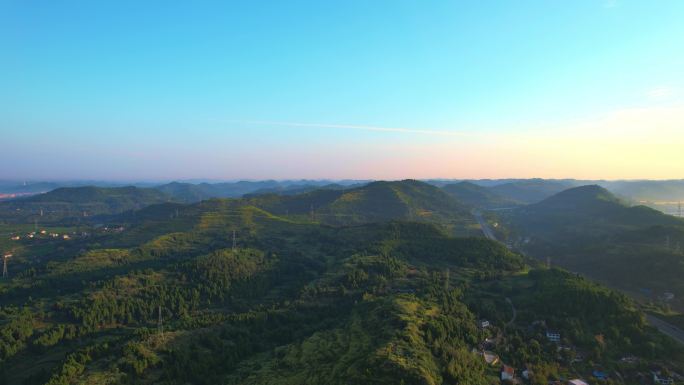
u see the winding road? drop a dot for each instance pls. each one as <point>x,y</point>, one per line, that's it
<point>484,225</point>
<point>666,328</point>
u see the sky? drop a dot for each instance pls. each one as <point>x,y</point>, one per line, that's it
<point>161,90</point>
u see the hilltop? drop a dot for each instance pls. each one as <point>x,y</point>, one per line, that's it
<point>588,210</point>
<point>374,202</point>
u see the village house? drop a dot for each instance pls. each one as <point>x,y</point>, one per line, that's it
<point>483,324</point>
<point>507,373</point>
<point>490,357</point>
<point>658,378</point>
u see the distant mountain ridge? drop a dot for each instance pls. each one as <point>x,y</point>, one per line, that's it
<point>478,196</point>
<point>67,202</point>
<point>376,201</point>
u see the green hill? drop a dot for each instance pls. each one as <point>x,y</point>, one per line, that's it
<point>589,230</point>
<point>190,192</point>
<point>478,196</point>
<point>299,302</point>
<point>72,202</point>
<point>374,202</point>
<point>590,211</point>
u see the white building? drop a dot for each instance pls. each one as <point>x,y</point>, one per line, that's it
<point>553,336</point>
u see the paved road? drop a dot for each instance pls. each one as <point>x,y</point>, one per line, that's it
<point>484,225</point>
<point>676,333</point>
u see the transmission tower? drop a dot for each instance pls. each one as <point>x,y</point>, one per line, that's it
<point>160,325</point>
<point>4,264</point>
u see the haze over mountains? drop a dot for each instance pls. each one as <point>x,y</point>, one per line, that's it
<point>514,190</point>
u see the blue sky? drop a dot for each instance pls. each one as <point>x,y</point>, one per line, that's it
<point>349,89</point>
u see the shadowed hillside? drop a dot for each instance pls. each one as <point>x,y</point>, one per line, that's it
<point>590,230</point>
<point>478,196</point>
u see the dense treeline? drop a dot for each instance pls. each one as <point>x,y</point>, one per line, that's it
<point>299,303</point>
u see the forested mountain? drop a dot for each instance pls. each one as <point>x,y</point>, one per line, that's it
<point>374,202</point>
<point>478,196</point>
<point>588,210</point>
<point>298,189</point>
<point>189,192</point>
<point>71,202</point>
<point>248,296</point>
<point>590,230</point>
<point>532,190</point>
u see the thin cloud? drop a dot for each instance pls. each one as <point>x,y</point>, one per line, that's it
<point>366,128</point>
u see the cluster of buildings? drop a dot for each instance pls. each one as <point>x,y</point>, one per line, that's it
<point>44,233</point>
<point>508,374</point>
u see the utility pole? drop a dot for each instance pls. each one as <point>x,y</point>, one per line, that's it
<point>667,242</point>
